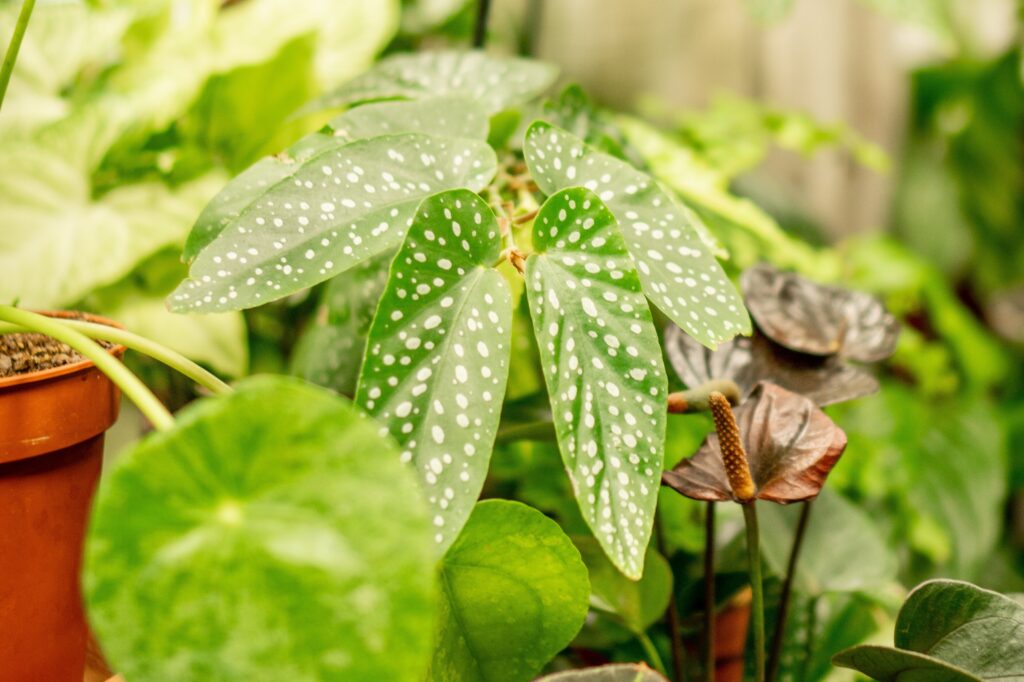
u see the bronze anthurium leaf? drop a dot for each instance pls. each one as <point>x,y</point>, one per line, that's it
<point>791,447</point>
<point>748,360</point>
<point>821,320</point>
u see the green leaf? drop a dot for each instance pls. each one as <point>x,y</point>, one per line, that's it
<point>440,116</point>
<point>843,550</point>
<point>514,593</point>
<point>949,630</point>
<point>637,604</point>
<point>616,672</point>
<point>336,209</point>
<point>437,356</point>
<point>58,243</point>
<point>602,364</point>
<point>271,534</point>
<point>330,351</point>
<point>496,83</point>
<point>677,268</point>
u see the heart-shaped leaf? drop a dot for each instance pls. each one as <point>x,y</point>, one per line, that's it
<point>271,534</point>
<point>811,318</point>
<point>748,360</point>
<point>677,268</point>
<point>496,83</point>
<point>514,594</point>
<point>948,630</point>
<point>437,355</point>
<point>337,209</point>
<point>330,351</point>
<point>602,365</point>
<point>791,447</point>
<point>615,672</point>
<point>636,604</point>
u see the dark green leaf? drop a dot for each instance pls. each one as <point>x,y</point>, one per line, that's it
<point>271,534</point>
<point>676,266</point>
<point>336,209</point>
<point>437,355</point>
<point>843,551</point>
<point>514,595</point>
<point>496,83</point>
<point>895,665</point>
<point>602,364</point>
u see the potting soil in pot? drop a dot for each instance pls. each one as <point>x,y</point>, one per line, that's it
<point>25,353</point>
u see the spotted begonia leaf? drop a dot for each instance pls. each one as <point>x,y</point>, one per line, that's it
<point>437,355</point>
<point>445,116</point>
<point>677,268</point>
<point>602,364</point>
<point>330,350</point>
<point>337,209</point>
<point>495,82</point>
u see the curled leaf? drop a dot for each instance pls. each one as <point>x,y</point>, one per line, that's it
<point>791,447</point>
<point>748,360</point>
<point>821,320</point>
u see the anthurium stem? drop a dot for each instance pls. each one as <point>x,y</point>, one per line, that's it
<point>779,635</point>
<point>141,344</point>
<point>480,28</point>
<point>130,385</point>
<point>756,587</point>
<point>14,46</point>
<point>709,593</point>
<point>696,399</point>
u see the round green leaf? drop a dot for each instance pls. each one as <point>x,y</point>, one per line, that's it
<point>437,354</point>
<point>334,210</point>
<point>676,266</point>
<point>637,603</point>
<point>603,369</point>
<point>271,534</point>
<point>514,594</point>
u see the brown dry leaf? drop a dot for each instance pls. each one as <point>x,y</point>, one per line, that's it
<point>791,448</point>
<point>812,318</point>
<point>748,360</point>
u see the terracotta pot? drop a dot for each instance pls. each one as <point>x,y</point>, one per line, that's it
<point>52,424</point>
<point>731,625</point>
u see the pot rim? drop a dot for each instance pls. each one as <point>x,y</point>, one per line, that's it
<point>117,350</point>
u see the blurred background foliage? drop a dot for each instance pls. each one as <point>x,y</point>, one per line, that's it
<point>124,118</point>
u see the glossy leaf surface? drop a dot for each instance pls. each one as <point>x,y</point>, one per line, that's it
<point>812,318</point>
<point>514,593</point>
<point>271,534</point>
<point>676,266</point>
<point>496,83</point>
<point>336,209</point>
<point>602,365</point>
<point>791,447</point>
<point>948,629</point>
<point>437,354</point>
<point>748,360</point>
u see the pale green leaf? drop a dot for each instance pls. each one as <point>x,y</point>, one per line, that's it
<point>614,672</point>
<point>514,594</point>
<point>219,340</point>
<point>58,243</point>
<point>271,534</point>
<point>437,356</point>
<point>453,117</point>
<point>335,210</point>
<point>676,266</point>
<point>602,364</point>
<point>636,604</point>
<point>496,83</point>
<point>330,351</point>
